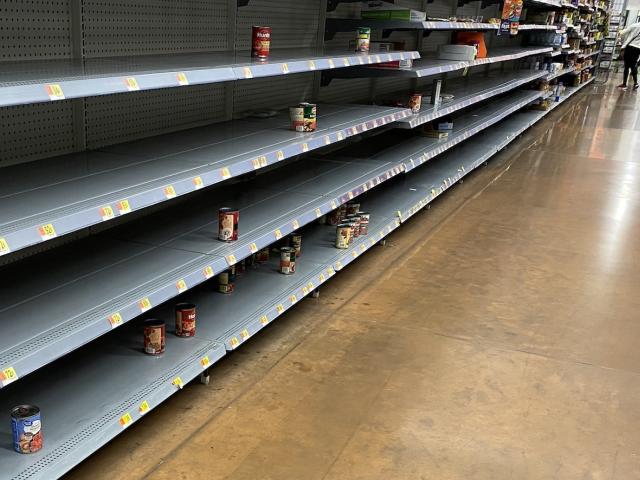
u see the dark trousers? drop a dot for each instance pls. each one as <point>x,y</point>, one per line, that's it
<point>631,56</point>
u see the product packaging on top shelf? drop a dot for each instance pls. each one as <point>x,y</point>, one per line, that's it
<point>457,52</point>
<point>375,10</point>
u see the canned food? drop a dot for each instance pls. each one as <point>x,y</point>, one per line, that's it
<point>343,236</point>
<point>304,117</point>
<point>363,39</point>
<point>232,273</point>
<point>26,426</point>
<point>228,219</point>
<point>415,102</point>
<point>241,266</point>
<point>364,222</point>
<point>354,220</point>
<point>295,242</point>
<point>260,42</point>
<point>154,336</point>
<point>337,216</point>
<point>352,208</point>
<point>263,255</point>
<point>185,320</point>
<point>225,285</point>
<point>287,260</point>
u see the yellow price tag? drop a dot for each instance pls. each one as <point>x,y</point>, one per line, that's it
<point>264,320</point>
<point>354,131</point>
<point>280,309</point>
<point>399,214</point>
<point>247,72</point>
<point>340,136</point>
<point>182,79</point>
<point>293,299</point>
<point>334,205</point>
<point>115,320</point>
<point>331,64</point>
<point>244,334</point>
<point>178,383</point>
<point>126,420</point>
<point>322,278</point>
<point>354,254</point>
<point>181,285</point>
<point>231,260</point>
<point>338,265</point>
<point>7,376</point>
<point>327,140</point>
<point>144,407</point>
<point>208,272</point>
<point>350,194</point>
<point>123,207</point>
<point>256,163</point>
<point>234,342</point>
<point>263,161</point>
<point>106,213</point>
<point>305,290</point>
<point>144,304</point>
<point>169,192</point>
<point>225,173</point>
<point>346,63</point>
<point>4,247</point>
<point>278,234</point>
<point>312,65</point>
<point>295,224</point>
<point>363,248</point>
<point>47,232</point>
<point>285,68</point>
<point>331,271</point>
<point>378,59</point>
<point>54,92</point>
<point>280,155</point>
<point>305,147</point>
<point>132,84</point>
<point>198,183</point>
<point>310,286</point>
<point>318,213</point>
<point>205,362</point>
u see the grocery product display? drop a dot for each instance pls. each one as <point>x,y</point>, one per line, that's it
<point>169,245</point>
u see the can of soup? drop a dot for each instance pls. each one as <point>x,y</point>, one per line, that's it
<point>352,208</point>
<point>415,102</point>
<point>232,273</point>
<point>26,426</point>
<point>287,260</point>
<point>363,39</point>
<point>228,219</point>
<point>154,336</point>
<point>263,255</point>
<point>295,242</point>
<point>297,118</point>
<point>225,284</point>
<point>310,112</point>
<point>354,220</point>
<point>260,42</point>
<point>185,320</point>
<point>343,236</point>
<point>364,222</point>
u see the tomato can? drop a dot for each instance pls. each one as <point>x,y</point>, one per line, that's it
<point>354,221</point>
<point>364,222</point>
<point>26,426</point>
<point>288,260</point>
<point>225,284</point>
<point>260,42</point>
<point>154,336</point>
<point>295,242</point>
<point>363,39</point>
<point>343,236</point>
<point>185,320</point>
<point>415,102</point>
<point>297,118</point>
<point>337,216</point>
<point>228,219</point>
<point>352,208</point>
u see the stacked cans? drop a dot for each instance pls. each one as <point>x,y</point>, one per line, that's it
<point>304,117</point>
<point>227,281</point>
<point>351,224</point>
<point>363,39</point>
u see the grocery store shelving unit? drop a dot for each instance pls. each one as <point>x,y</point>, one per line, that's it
<point>168,179</point>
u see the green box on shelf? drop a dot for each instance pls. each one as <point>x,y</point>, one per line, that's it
<point>377,10</point>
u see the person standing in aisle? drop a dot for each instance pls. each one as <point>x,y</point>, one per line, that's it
<point>630,37</point>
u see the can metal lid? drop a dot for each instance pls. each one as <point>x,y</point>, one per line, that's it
<point>154,322</point>
<point>185,306</point>
<point>24,411</point>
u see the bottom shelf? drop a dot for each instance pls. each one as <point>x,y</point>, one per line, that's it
<point>93,394</point>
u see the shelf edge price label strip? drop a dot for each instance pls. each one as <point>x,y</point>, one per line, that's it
<point>231,260</point>
<point>181,285</point>
<point>144,304</point>
<point>125,420</point>
<point>278,234</point>
<point>107,213</point>
<point>124,207</point>
<point>285,68</point>
<point>183,81</point>
<point>47,232</point>
<point>144,407</point>
<point>169,192</point>
<point>198,183</point>
<point>280,309</point>
<point>245,334</point>
<point>293,299</point>
<point>178,382</point>
<point>234,342</point>
<point>4,247</point>
<point>280,155</point>
<point>208,272</point>
<point>115,320</point>
<point>225,173</point>
<point>7,376</point>
<point>253,248</point>
<point>132,84</point>
<point>295,224</point>
<point>264,320</point>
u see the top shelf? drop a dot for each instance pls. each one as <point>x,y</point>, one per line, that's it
<point>44,81</point>
<point>351,24</point>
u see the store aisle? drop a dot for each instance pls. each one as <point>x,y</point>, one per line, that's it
<point>494,337</point>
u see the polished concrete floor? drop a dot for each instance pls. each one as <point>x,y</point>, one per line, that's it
<point>496,336</point>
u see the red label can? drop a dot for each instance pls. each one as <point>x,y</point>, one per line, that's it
<point>260,42</point>
<point>185,320</point>
<point>228,219</point>
<point>263,255</point>
<point>154,336</point>
<point>225,284</point>
<point>287,260</point>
